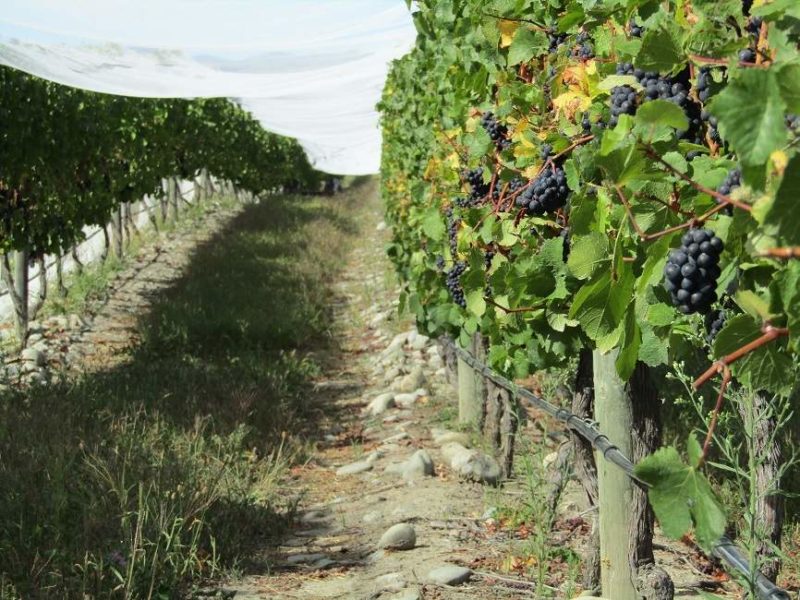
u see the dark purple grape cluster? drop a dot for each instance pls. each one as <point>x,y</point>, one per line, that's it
<point>453,223</point>
<point>623,102</point>
<point>793,123</point>
<point>440,263</point>
<point>753,26</point>
<point>478,189</point>
<point>672,89</point>
<point>584,51</point>
<point>496,130</point>
<point>691,272</point>
<point>747,55</point>
<point>711,120</point>
<point>454,283</point>
<point>586,123</point>
<point>714,322</point>
<point>564,235</point>
<point>545,151</point>
<point>548,192</point>
<point>732,181</point>
<point>703,85</point>
<point>634,29</point>
<point>488,255</point>
<point>555,39</point>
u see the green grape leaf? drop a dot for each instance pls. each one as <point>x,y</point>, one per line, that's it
<point>661,48</point>
<point>601,304</point>
<point>588,254</point>
<point>525,45</point>
<point>766,368</point>
<point>476,303</point>
<point>433,225</point>
<point>629,346</point>
<point>783,212</point>
<point>681,497</point>
<point>750,112</point>
<point>662,112</point>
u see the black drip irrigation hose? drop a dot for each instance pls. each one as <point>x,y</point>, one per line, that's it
<point>724,548</point>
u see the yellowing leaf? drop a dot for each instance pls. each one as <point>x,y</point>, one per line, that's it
<point>572,102</point>
<point>453,160</point>
<point>507,31</point>
<point>779,161</point>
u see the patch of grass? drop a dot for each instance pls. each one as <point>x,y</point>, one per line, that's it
<point>139,481</point>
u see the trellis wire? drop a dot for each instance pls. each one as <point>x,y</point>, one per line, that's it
<point>724,548</point>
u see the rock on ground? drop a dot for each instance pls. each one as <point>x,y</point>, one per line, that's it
<point>398,537</point>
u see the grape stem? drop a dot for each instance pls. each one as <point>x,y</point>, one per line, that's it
<point>539,26</point>
<point>784,252</point>
<point>654,236</point>
<point>651,152</point>
<point>726,379</point>
<point>721,62</point>
<point>770,333</point>
<point>514,310</point>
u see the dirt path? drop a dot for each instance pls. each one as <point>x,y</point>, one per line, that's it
<point>354,491</point>
<point>388,401</point>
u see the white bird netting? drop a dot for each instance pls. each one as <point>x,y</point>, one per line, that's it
<point>309,69</point>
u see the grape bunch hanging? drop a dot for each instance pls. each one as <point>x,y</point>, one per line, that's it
<point>547,193</point>
<point>454,283</point>
<point>496,130</point>
<point>691,272</point>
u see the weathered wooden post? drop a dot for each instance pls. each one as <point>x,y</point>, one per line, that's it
<point>173,192</point>
<point>119,242</point>
<point>615,489</point>
<point>17,286</point>
<point>471,390</point>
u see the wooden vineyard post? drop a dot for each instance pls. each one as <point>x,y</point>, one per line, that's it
<point>18,291</point>
<point>163,201</point>
<point>172,194</point>
<point>116,220</point>
<point>471,391</point>
<point>614,414</point>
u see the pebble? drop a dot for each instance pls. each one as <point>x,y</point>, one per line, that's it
<point>414,380</point>
<point>419,465</point>
<point>380,404</point>
<point>354,468</point>
<point>472,465</point>
<point>398,437</point>
<point>390,582</point>
<point>372,516</point>
<point>443,436</point>
<point>33,355</point>
<point>412,594</point>
<point>420,341</point>
<point>408,400</point>
<point>398,537</point>
<point>296,559</point>
<point>449,575</point>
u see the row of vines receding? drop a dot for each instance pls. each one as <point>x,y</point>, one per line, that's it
<point>610,176</point>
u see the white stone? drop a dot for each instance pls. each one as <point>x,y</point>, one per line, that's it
<point>414,380</point>
<point>444,436</point>
<point>449,575</point>
<point>420,341</point>
<point>381,226</point>
<point>419,465</point>
<point>408,400</point>
<point>390,582</point>
<point>397,437</point>
<point>33,355</point>
<point>398,537</point>
<point>354,468</point>
<point>380,404</point>
<point>296,559</point>
<point>471,464</point>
